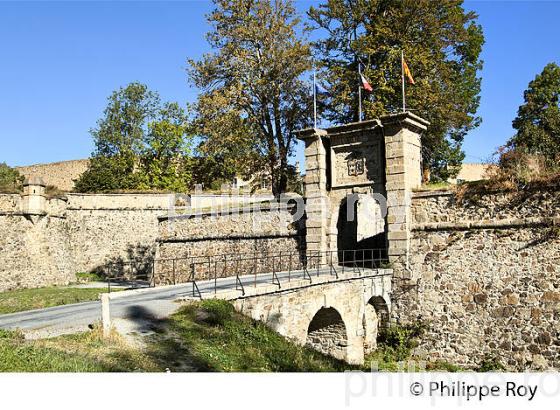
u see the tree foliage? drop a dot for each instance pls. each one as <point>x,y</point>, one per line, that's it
<point>442,44</point>
<point>253,95</point>
<point>538,119</point>
<point>10,178</point>
<point>140,144</point>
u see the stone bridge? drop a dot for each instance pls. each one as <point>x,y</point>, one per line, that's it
<point>339,316</point>
<point>358,184</point>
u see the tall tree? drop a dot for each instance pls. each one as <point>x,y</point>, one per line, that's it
<point>166,156</point>
<point>139,144</point>
<point>441,43</point>
<point>253,94</point>
<point>538,119</point>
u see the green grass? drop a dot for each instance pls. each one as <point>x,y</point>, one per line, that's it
<point>89,277</point>
<point>211,336</point>
<point>18,356</point>
<point>203,336</point>
<point>26,299</point>
<point>84,352</point>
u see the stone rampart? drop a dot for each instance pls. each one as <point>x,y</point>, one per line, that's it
<point>485,277</point>
<point>59,174</point>
<point>245,237</point>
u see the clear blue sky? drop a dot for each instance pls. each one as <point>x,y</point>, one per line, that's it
<point>60,60</point>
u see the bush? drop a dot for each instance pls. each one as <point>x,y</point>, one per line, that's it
<point>514,169</point>
<point>491,363</point>
<point>442,365</point>
<point>521,167</point>
<point>394,346</point>
<point>11,181</point>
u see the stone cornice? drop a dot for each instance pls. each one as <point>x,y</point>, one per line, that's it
<point>310,133</point>
<point>510,223</point>
<point>406,119</point>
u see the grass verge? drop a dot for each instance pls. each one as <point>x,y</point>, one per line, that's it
<point>84,352</point>
<point>207,336</point>
<point>212,336</point>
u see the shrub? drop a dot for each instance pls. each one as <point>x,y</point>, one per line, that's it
<point>397,341</point>
<point>442,365</point>
<point>491,363</point>
<point>11,180</point>
<point>521,167</point>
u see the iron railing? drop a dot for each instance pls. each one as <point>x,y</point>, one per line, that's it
<point>132,274</point>
<point>246,269</point>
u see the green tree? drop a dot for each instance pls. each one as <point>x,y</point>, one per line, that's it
<point>253,94</point>
<point>139,144</point>
<point>538,119</point>
<point>166,157</point>
<point>10,178</point>
<point>441,43</point>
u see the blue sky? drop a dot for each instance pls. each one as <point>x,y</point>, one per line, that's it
<point>60,60</point>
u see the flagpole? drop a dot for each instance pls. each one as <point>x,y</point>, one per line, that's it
<point>314,99</point>
<point>360,93</point>
<point>402,78</point>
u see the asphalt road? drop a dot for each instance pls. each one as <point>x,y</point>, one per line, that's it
<point>156,303</point>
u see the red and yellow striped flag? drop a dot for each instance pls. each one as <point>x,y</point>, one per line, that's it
<point>407,72</point>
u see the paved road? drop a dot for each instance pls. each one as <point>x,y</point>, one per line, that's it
<point>156,303</point>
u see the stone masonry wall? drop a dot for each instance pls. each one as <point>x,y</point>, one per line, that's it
<point>33,253</point>
<point>59,174</point>
<point>85,233</point>
<point>341,331</point>
<point>77,233</point>
<point>109,228</point>
<point>327,333</point>
<point>485,277</point>
<point>244,237</point>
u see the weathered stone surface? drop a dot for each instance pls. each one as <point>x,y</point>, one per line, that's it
<point>59,174</point>
<point>339,318</point>
<point>83,233</point>
<point>504,279</point>
<point>78,233</point>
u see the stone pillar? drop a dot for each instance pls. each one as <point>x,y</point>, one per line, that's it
<point>403,172</point>
<point>315,190</point>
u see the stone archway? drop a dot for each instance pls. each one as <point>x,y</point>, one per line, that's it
<point>376,319</point>
<point>360,226</point>
<point>327,333</point>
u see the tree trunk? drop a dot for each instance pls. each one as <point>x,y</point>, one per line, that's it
<point>283,180</point>
<point>426,174</point>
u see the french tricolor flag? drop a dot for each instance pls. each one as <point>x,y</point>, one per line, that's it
<point>365,83</point>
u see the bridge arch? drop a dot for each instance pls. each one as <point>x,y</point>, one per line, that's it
<point>327,333</point>
<point>376,319</point>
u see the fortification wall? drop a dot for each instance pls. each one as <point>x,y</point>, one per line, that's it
<point>239,233</point>
<point>112,228</point>
<point>33,253</point>
<point>486,278</point>
<point>10,203</point>
<point>59,174</point>
<point>78,233</point>
<point>85,233</point>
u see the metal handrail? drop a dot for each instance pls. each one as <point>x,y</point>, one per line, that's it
<point>203,267</point>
